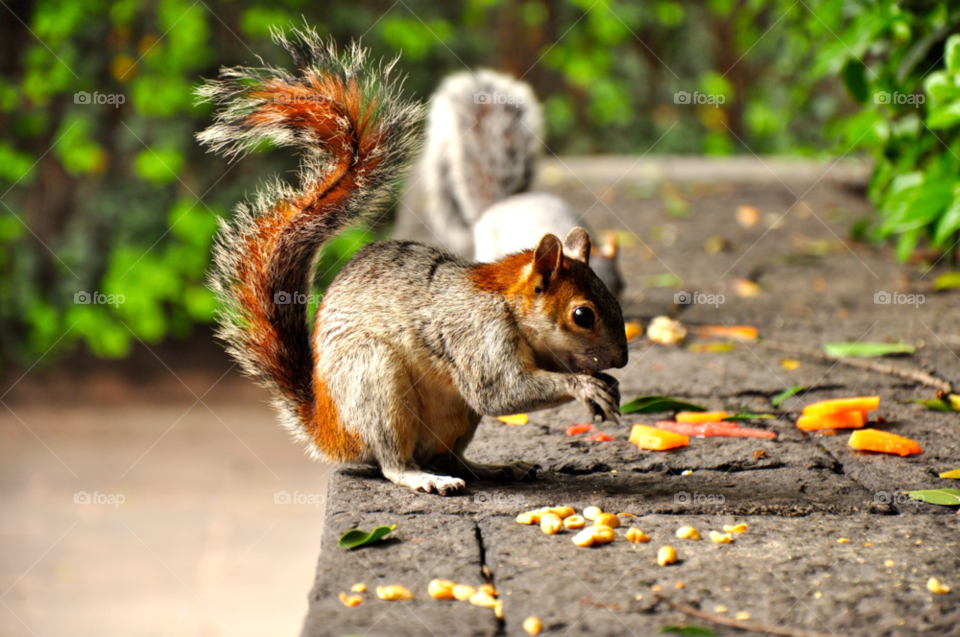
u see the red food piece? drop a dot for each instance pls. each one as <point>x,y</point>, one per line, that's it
<point>713,430</point>
<point>573,430</point>
<point>600,438</point>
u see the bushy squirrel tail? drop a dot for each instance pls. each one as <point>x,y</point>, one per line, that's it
<point>355,136</point>
<point>483,140</point>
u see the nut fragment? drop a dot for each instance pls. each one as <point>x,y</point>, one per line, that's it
<point>393,593</point>
<point>721,538</point>
<point>735,528</point>
<point>688,533</point>
<point>591,513</point>
<point>663,330</point>
<point>607,519</point>
<point>483,599</point>
<point>359,588</point>
<point>563,512</point>
<point>528,517</point>
<point>350,600</point>
<point>532,625</point>
<point>488,589</point>
<point>463,592</point>
<point>934,586</point>
<point>637,536</point>
<point>574,522</point>
<point>551,523</point>
<point>441,589</point>
<point>666,555</point>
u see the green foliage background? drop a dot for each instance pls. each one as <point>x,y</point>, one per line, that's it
<point>118,198</point>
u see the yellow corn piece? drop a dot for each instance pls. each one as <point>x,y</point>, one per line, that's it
<point>393,593</point>
<point>350,600</point>
<point>516,419</point>
<point>441,589</point>
<point>666,555</point>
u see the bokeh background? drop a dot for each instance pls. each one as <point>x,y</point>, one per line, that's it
<point>103,190</point>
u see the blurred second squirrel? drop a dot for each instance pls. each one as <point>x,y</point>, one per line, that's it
<point>483,143</point>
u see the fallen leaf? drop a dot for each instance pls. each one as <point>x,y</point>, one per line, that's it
<point>746,289</point>
<point>516,419</point>
<point>711,348</point>
<point>687,631</point>
<point>657,404</point>
<point>779,398</point>
<point>955,474</point>
<point>933,404</point>
<point>947,281</point>
<point>867,350</point>
<point>355,537</point>
<point>943,497</point>
<point>749,416</point>
<point>664,280</point>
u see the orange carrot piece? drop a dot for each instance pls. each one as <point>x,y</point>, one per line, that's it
<point>647,437</point>
<point>745,332</point>
<point>883,442</point>
<point>633,330</point>
<point>840,405</point>
<point>843,420</point>
<point>701,416</point>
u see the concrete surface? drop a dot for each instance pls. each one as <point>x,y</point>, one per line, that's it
<point>799,497</point>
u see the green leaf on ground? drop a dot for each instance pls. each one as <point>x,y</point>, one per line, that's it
<point>749,416</point>
<point>947,281</point>
<point>943,497</point>
<point>933,404</point>
<point>867,350</point>
<point>657,404</point>
<point>687,631</point>
<point>355,537</point>
<point>782,396</point>
<point>955,474</point>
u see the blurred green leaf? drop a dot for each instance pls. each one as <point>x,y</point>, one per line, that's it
<point>867,350</point>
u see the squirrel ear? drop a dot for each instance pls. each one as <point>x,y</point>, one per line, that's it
<point>577,244</point>
<point>609,246</point>
<point>548,257</point>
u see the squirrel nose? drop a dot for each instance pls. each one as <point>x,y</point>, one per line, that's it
<point>620,360</point>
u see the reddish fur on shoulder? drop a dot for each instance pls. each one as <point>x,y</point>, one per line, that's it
<point>512,276</point>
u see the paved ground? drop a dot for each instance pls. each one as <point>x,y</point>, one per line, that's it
<point>799,497</point>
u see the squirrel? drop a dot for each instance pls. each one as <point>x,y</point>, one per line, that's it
<point>411,345</point>
<point>483,143</point>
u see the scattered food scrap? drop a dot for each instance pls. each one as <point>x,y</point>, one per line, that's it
<point>393,593</point>
<point>747,216</point>
<point>647,437</point>
<point>663,330</point>
<point>516,419</point>
<point>720,538</point>
<point>701,416</point>
<point>746,289</point>
<point>736,528</point>
<point>743,332</point>
<point>790,364</point>
<point>359,588</point>
<point>441,589</point>
<point>637,536</point>
<point>532,625</point>
<point>934,586</point>
<point>843,420</point>
<point>591,513</point>
<point>883,442</point>
<point>600,437</point>
<point>688,533</point>
<point>633,330</point>
<point>841,405</point>
<point>666,555</point>
<point>713,430</point>
<point>350,600</point>
<point>574,430</point>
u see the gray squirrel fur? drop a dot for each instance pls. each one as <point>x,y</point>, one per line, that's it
<point>477,168</point>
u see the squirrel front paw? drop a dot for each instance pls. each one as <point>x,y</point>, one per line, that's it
<point>600,395</point>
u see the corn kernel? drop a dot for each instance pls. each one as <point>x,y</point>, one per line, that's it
<point>742,616</point>
<point>551,523</point>
<point>359,588</point>
<point>441,589</point>
<point>889,564</point>
<point>393,593</point>
<point>934,586</point>
<point>720,538</point>
<point>607,519</point>
<point>574,522</point>
<point>563,512</point>
<point>678,585</point>
<point>720,609</point>
<point>463,592</point>
<point>666,555</point>
<point>532,625</point>
<point>602,534</point>
<point>688,533</point>
<point>528,517</point>
<point>583,538</point>
<point>843,540</point>
<point>591,513</point>
<point>350,600</point>
<point>488,589</point>
<point>735,528</point>
<point>498,609</point>
<point>637,536</point>
<point>483,599</point>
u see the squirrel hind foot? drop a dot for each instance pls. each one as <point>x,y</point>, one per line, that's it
<point>425,482</point>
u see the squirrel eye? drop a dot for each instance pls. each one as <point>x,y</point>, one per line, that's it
<point>584,317</point>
